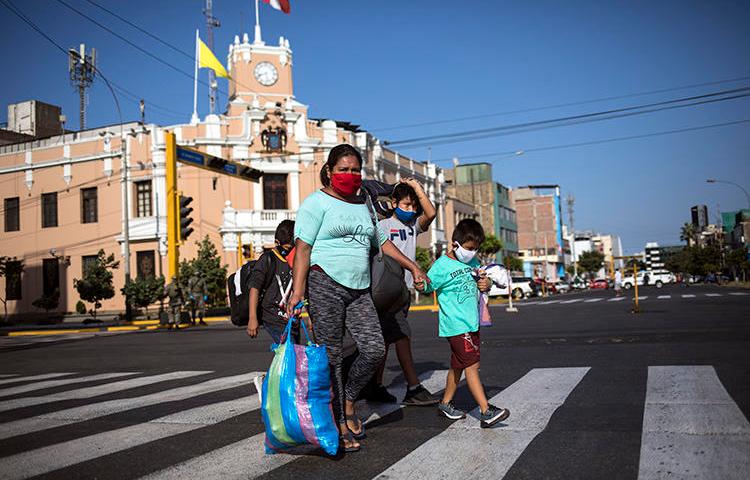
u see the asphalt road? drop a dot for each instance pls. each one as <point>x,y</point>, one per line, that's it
<point>595,390</point>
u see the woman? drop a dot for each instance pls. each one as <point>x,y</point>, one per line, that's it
<point>334,233</point>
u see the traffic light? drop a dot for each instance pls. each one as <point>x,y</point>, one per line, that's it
<point>185,220</point>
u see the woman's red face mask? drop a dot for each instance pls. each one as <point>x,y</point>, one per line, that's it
<point>346,177</point>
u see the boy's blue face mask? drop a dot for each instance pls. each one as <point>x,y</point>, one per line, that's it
<point>404,216</point>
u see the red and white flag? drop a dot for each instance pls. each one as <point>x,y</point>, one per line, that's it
<point>282,5</point>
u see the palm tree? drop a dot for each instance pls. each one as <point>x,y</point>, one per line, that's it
<point>687,233</point>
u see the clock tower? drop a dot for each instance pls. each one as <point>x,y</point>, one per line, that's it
<point>259,73</point>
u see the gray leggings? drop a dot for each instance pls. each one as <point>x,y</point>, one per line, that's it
<point>332,308</point>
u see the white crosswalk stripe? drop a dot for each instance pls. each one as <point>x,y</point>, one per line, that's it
<point>691,427</point>
<point>100,409</point>
<point>663,297</point>
<point>98,390</point>
<point>686,410</point>
<point>574,300</point>
<point>592,300</point>
<point>57,383</point>
<point>738,293</point>
<point>642,298</point>
<point>500,446</point>
<point>34,377</point>
<point>616,299</point>
<point>713,294</point>
<point>6,375</point>
<point>688,295</point>
<point>248,455</point>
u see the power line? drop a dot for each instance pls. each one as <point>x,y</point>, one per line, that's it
<point>573,119</point>
<point>602,141</point>
<point>562,105</point>
<point>18,13</point>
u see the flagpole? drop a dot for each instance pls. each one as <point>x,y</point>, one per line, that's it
<point>194,120</point>
<point>258,38</point>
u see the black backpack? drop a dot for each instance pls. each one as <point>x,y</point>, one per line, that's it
<point>239,305</point>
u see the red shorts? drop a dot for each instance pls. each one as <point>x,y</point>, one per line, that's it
<point>464,349</point>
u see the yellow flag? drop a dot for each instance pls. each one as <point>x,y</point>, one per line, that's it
<point>206,59</point>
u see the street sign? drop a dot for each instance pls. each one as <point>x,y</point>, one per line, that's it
<point>199,159</point>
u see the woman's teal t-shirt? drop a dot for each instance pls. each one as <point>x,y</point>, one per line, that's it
<point>341,235</point>
<point>457,295</point>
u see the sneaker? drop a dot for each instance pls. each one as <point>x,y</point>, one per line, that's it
<point>493,415</point>
<point>258,382</point>
<point>419,396</point>
<point>380,394</point>
<point>450,411</point>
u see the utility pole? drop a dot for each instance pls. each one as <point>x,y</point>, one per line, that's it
<point>571,201</point>
<point>211,22</point>
<point>82,69</point>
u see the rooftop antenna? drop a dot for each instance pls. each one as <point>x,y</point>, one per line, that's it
<point>82,69</point>
<point>211,22</point>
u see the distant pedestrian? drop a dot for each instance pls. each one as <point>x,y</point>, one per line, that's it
<point>618,282</point>
<point>452,277</point>
<point>173,292</point>
<point>197,291</point>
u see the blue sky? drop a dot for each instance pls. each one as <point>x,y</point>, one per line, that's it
<point>386,64</point>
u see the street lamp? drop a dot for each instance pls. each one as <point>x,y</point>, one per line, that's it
<point>747,195</point>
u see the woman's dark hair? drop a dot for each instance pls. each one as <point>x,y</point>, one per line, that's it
<point>337,152</point>
<point>401,191</point>
<point>467,230</point>
<point>285,232</point>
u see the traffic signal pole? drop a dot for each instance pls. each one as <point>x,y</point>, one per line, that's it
<point>173,198</point>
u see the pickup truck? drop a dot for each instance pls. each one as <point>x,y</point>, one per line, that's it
<point>657,278</point>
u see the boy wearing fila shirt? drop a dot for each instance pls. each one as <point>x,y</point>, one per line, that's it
<point>412,214</point>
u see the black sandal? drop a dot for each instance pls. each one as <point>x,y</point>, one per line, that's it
<point>354,418</point>
<point>348,437</point>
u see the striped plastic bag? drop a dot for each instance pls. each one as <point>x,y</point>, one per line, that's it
<point>296,406</point>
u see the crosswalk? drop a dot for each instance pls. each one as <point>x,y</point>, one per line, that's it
<point>54,425</point>
<point>641,298</point>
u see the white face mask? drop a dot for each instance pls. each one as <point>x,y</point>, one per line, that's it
<point>462,254</point>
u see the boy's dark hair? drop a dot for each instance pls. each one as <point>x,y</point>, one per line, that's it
<point>467,230</point>
<point>285,232</point>
<point>401,191</point>
<point>337,152</point>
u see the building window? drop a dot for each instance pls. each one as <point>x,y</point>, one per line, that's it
<point>143,198</point>
<point>274,191</point>
<point>13,280</point>
<point>49,210</point>
<point>86,262</point>
<point>89,205</point>
<point>12,215</point>
<point>145,264</point>
<point>50,276</point>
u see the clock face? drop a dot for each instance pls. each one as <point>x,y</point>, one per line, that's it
<point>266,74</point>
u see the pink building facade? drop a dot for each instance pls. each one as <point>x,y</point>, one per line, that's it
<point>64,196</point>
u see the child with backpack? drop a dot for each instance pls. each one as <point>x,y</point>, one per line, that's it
<point>413,212</point>
<point>270,282</point>
<point>452,277</point>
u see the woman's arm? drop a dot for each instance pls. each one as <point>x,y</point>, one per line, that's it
<point>392,251</point>
<point>300,270</point>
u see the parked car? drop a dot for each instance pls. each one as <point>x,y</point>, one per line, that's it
<point>579,284</point>
<point>599,284</point>
<point>523,287</point>
<point>657,278</point>
<point>562,287</point>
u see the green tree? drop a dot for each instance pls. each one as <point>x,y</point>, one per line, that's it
<point>208,265</point>
<point>737,261</point>
<point>423,258</point>
<point>634,261</point>
<point>513,263</point>
<point>143,291</point>
<point>48,302</point>
<point>490,246</point>
<point>590,262</point>
<point>10,267</point>
<point>96,284</point>
<point>687,233</point>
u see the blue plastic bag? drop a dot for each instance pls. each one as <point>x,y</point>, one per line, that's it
<point>297,396</point>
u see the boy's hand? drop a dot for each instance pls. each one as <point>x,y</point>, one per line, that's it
<point>252,326</point>
<point>484,283</point>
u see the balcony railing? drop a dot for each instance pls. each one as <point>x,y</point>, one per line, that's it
<point>255,220</point>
